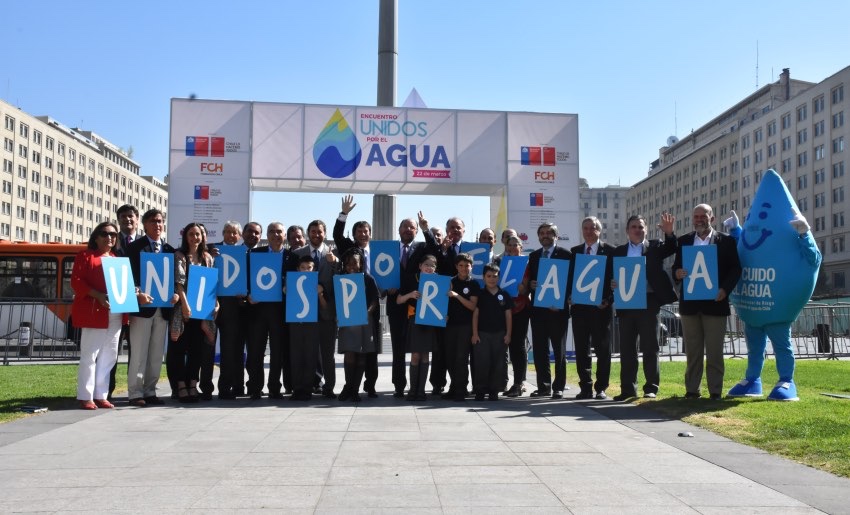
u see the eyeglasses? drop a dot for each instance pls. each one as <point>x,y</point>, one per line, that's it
<point>108,234</point>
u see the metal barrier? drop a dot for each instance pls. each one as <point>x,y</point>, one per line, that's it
<point>37,330</point>
<point>821,331</point>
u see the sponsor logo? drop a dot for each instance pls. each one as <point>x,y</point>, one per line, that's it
<point>337,152</point>
<point>202,192</point>
<point>544,176</point>
<point>209,146</point>
<point>539,199</point>
<point>537,156</point>
<point>212,168</point>
<point>523,236</point>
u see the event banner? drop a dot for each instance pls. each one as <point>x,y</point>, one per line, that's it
<point>157,278</point>
<point>232,265</point>
<point>552,278</point>
<point>385,267</point>
<point>701,283</point>
<point>302,296</point>
<point>119,285</point>
<point>201,291</point>
<point>511,271</point>
<point>433,303</point>
<point>350,298</point>
<point>630,276</point>
<point>527,163</point>
<point>588,277</point>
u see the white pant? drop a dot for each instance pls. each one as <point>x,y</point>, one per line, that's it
<point>147,341</point>
<point>98,354</point>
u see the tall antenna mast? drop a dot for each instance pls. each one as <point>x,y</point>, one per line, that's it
<point>757,64</point>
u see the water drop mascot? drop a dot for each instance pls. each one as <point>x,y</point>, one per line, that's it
<point>779,261</point>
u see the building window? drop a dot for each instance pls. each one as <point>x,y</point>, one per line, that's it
<point>786,121</point>
<point>819,152</point>
<point>838,170</point>
<point>758,157</point>
<point>8,145</point>
<point>838,94</point>
<point>771,150</point>
<point>60,149</point>
<point>838,219</point>
<point>838,245</point>
<point>817,104</point>
<point>786,165</point>
<point>820,200</point>
<point>838,194</point>
<point>48,143</point>
<point>802,182</point>
<point>802,159</point>
<point>838,120</point>
<point>758,135</point>
<point>820,176</point>
<point>745,142</point>
<point>838,145</point>
<point>10,123</point>
<point>801,113</point>
<point>803,204</point>
<point>802,136</point>
<point>24,130</point>
<point>786,143</point>
<point>819,128</point>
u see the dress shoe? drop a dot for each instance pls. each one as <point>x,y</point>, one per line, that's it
<point>494,396</point>
<point>459,397</point>
<point>329,394</point>
<point>479,396</point>
<point>601,395</point>
<point>139,403</point>
<point>103,403</point>
<point>206,396</point>
<point>557,394</point>
<point>540,393</point>
<point>691,395</point>
<point>715,397</point>
<point>584,395</point>
<point>624,397</point>
<point>174,395</point>
<point>398,394</point>
<point>437,391</point>
<point>372,393</point>
<point>649,395</point>
<point>88,405</point>
<point>275,395</point>
<point>356,397</point>
<point>317,390</point>
<point>226,397</point>
<point>154,401</point>
<point>239,392</point>
<point>255,396</point>
<point>515,391</point>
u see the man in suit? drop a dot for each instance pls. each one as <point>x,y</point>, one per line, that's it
<point>643,323</point>
<point>128,224</point>
<point>548,325</point>
<point>704,321</point>
<point>295,238</point>
<point>362,237</point>
<point>149,326</point>
<point>410,254</point>
<point>592,324</point>
<point>268,327</point>
<point>326,263</point>
<point>231,338</point>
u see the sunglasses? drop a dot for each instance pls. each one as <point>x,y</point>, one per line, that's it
<point>108,234</point>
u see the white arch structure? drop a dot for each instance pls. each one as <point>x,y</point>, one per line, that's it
<point>527,163</point>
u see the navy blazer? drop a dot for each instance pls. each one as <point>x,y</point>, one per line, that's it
<point>728,269</point>
<point>602,249</point>
<point>656,251</point>
<point>134,252</point>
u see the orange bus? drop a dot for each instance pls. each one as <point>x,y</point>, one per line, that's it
<point>35,288</point>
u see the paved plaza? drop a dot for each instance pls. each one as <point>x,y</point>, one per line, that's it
<point>387,455</point>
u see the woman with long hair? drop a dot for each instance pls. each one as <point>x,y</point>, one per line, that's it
<point>90,313</point>
<point>188,336</point>
<point>521,313</point>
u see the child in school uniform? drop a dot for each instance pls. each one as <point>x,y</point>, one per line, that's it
<point>491,334</point>
<point>304,345</point>
<point>420,338</point>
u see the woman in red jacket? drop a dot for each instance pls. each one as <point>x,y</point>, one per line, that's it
<point>90,312</point>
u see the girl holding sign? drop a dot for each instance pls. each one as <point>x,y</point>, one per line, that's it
<point>90,312</point>
<point>420,338</point>
<point>188,335</point>
<point>357,341</point>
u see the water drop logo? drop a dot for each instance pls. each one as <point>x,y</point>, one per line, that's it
<point>336,151</point>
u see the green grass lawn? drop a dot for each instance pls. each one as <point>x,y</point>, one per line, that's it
<point>52,386</point>
<point>814,431</point>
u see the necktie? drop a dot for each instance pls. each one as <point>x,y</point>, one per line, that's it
<point>546,254</point>
<point>155,247</point>
<point>128,240</point>
<point>316,259</point>
<point>404,255</point>
<point>588,250</point>
<point>366,260</point>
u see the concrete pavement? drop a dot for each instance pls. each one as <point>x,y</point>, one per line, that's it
<point>387,455</point>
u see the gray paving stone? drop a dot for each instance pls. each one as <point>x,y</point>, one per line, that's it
<point>736,495</point>
<point>497,495</point>
<point>482,474</point>
<point>586,475</point>
<point>380,475</point>
<point>303,474</point>
<point>378,496</point>
<point>285,459</point>
<point>570,446</point>
<point>232,497</point>
<point>623,496</point>
<point>473,458</point>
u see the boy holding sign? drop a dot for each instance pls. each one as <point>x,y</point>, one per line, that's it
<point>704,319</point>
<point>304,341</point>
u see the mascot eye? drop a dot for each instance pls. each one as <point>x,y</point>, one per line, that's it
<point>762,215</point>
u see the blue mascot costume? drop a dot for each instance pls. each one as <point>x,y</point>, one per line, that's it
<point>779,261</point>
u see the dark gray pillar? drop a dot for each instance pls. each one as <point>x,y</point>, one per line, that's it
<point>384,206</point>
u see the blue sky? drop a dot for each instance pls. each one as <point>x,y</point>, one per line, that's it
<point>634,72</point>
